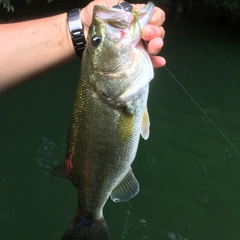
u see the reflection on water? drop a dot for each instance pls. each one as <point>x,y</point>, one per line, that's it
<point>46,154</point>
<point>174,236</point>
<point>188,173</point>
<point>125,231</point>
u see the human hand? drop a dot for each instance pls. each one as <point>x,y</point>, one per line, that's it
<point>152,34</point>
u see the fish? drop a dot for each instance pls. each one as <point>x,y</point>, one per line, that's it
<point>109,115</point>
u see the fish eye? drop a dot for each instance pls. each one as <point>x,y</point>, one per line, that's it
<point>96,40</point>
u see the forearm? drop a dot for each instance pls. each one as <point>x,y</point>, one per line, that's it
<point>30,48</point>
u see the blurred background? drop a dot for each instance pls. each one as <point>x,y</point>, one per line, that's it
<point>214,10</point>
<point>188,172</point>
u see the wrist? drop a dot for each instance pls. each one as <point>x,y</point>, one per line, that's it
<point>67,39</point>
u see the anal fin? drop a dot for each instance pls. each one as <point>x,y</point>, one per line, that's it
<point>126,189</point>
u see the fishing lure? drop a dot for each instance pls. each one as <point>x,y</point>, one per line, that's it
<point>129,8</point>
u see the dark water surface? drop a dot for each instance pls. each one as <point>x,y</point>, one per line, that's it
<point>189,174</point>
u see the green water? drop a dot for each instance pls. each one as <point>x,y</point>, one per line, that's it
<point>189,174</point>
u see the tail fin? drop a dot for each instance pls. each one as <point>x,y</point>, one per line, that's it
<point>86,228</point>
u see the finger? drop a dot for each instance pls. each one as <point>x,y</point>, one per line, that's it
<point>154,46</point>
<point>158,17</point>
<point>150,31</point>
<point>137,6</point>
<point>158,61</point>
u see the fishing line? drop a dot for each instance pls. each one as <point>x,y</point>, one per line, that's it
<point>205,114</point>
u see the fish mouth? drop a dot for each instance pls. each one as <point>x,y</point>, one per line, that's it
<point>112,16</point>
<point>119,18</point>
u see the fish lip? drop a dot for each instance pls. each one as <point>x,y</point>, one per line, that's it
<point>119,18</point>
<point>108,9</point>
<point>111,15</point>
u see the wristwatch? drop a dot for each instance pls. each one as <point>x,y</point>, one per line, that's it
<point>76,30</point>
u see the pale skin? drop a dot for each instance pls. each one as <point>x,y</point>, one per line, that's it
<point>31,48</point>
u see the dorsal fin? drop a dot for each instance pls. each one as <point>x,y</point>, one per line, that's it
<point>61,171</point>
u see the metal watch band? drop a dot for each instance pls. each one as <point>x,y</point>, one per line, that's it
<point>76,30</point>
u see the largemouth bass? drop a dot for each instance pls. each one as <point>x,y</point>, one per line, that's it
<point>108,117</point>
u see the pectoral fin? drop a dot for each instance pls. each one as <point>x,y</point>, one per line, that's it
<point>126,189</point>
<point>145,125</point>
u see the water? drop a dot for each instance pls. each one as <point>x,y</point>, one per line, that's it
<point>189,174</point>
